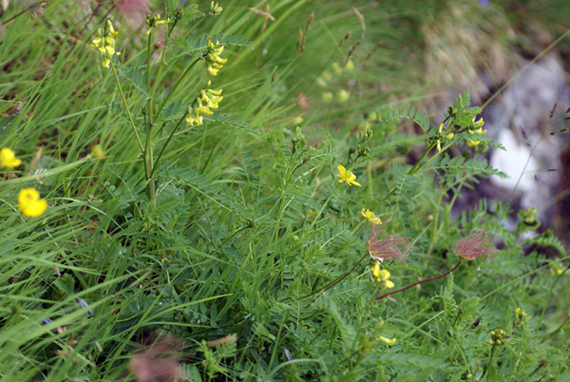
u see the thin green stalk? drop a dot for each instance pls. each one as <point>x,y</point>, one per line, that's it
<point>127,107</point>
<point>412,170</point>
<point>556,331</point>
<point>548,299</point>
<point>490,362</point>
<point>148,61</point>
<point>170,93</point>
<point>155,165</point>
<point>149,162</point>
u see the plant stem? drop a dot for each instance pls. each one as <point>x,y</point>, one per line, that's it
<point>556,331</point>
<point>334,283</point>
<point>168,141</point>
<point>127,107</point>
<point>186,71</point>
<point>548,299</point>
<point>490,362</point>
<point>150,186</point>
<point>413,169</point>
<point>420,282</point>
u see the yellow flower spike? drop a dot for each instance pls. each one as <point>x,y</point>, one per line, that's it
<point>30,203</point>
<point>213,60</point>
<point>387,341</point>
<point>346,176</point>
<point>104,43</point>
<point>8,158</point>
<point>472,142</point>
<point>371,217</point>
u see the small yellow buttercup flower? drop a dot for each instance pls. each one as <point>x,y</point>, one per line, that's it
<point>382,276</point>
<point>346,176</point>
<point>371,217</point>
<point>387,341</point>
<point>30,203</point>
<point>8,158</point>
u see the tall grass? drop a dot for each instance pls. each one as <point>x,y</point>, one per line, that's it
<point>247,230</point>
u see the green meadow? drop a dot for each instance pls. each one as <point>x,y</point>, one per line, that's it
<point>271,191</point>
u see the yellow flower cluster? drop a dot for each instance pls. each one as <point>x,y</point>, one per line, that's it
<point>215,9</point>
<point>204,104</point>
<point>520,317</point>
<point>153,22</point>
<point>498,337</point>
<point>8,158</point>
<point>105,43</point>
<point>346,176</point>
<point>382,276</point>
<point>475,129</point>
<point>443,138</point>
<point>371,217</point>
<point>213,60</point>
<point>30,203</point>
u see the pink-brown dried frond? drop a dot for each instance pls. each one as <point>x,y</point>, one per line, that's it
<point>393,247</point>
<point>135,10</point>
<point>159,363</point>
<point>473,246</point>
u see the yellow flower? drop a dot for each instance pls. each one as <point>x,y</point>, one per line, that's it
<point>209,99</point>
<point>382,276</point>
<point>371,217</point>
<point>104,43</point>
<point>30,204</point>
<point>213,59</point>
<point>472,142</point>
<point>390,341</point>
<point>327,97</point>
<point>342,96</point>
<point>346,176</point>
<point>97,152</point>
<point>8,158</point>
<point>336,67</point>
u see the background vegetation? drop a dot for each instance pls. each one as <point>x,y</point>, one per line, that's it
<point>248,260</point>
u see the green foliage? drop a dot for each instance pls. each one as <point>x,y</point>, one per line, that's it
<point>235,238</point>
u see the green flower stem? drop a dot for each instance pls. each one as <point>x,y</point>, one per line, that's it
<point>127,107</point>
<point>148,62</point>
<point>186,71</point>
<point>420,282</point>
<point>548,298</point>
<point>556,331</point>
<point>168,141</point>
<point>162,58</point>
<point>413,169</point>
<point>149,162</point>
<point>320,293</point>
<point>490,362</point>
